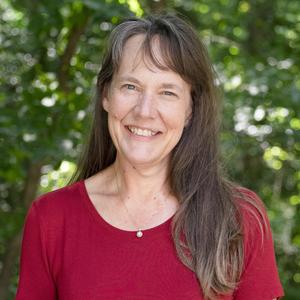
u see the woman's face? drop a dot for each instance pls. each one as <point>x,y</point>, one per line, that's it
<point>147,107</point>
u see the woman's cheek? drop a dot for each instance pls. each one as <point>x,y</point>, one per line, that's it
<point>119,108</point>
<point>174,118</point>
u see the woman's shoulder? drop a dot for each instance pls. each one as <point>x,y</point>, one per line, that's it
<point>249,204</point>
<point>59,200</point>
<point>243,193</point>
<point>259,267</point>
<point>254,217</point>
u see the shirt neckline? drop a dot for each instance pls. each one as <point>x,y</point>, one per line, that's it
<point>163,228</point>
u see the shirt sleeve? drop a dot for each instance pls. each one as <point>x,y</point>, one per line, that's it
<point>35,280</point>
<point>260,279</point>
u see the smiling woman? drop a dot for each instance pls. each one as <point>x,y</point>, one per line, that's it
<point>147,107</point>
<point>148,214</point>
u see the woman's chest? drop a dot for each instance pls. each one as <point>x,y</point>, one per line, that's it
<point>99,268</point>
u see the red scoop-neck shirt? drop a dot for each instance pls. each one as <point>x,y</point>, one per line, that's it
<point>69,252</point>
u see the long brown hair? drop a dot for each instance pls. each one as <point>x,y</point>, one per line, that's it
<point>207,228</point>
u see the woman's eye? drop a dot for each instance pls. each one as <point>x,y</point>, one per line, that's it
<point>168,93</point>
<point>130,86</point>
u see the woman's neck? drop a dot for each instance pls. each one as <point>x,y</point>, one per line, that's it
<point>140,185</point>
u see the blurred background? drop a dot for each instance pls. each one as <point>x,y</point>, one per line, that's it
<point>50,52</point>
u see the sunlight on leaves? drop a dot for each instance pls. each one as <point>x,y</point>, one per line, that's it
<point>54,179</point>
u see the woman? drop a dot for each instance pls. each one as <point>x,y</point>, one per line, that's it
<point>149,214</point>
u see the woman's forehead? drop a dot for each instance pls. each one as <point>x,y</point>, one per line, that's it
<point>137,50</point>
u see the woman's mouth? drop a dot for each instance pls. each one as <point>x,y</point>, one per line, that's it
<point>142,132</point>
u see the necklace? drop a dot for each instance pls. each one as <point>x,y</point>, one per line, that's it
<point>139,232</point>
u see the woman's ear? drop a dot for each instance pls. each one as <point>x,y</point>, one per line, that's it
<point>105,101</point>
<point>105,104</point>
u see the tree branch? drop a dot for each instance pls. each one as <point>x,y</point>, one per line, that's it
<point>75,33</point>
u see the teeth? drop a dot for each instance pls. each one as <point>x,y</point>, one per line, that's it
<point>141,132</point>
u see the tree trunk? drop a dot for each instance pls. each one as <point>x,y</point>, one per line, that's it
<point>34,171</point>
<point>154,6</point>
<point>75,33</point>
<point>260,26</point>
<point>13,246</point>
<point>9,260</point>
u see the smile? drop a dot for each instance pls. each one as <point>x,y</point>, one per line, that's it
<point>141,132</point>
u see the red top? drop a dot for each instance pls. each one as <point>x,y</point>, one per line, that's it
<point>69,252</point>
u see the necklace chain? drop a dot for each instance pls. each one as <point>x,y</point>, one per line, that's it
<point>139,232</point>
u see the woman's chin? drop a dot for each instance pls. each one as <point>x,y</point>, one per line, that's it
<point>144,161</point>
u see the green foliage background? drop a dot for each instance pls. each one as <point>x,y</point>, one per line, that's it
<point>50,52</point>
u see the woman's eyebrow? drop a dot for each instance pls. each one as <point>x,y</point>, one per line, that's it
<point>171,86</point>
<point>165,85</point>
<point>129,78</point>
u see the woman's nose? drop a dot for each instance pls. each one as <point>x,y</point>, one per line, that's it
<point>145,106</point>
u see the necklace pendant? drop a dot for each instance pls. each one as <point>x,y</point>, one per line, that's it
<point>139,233</point>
